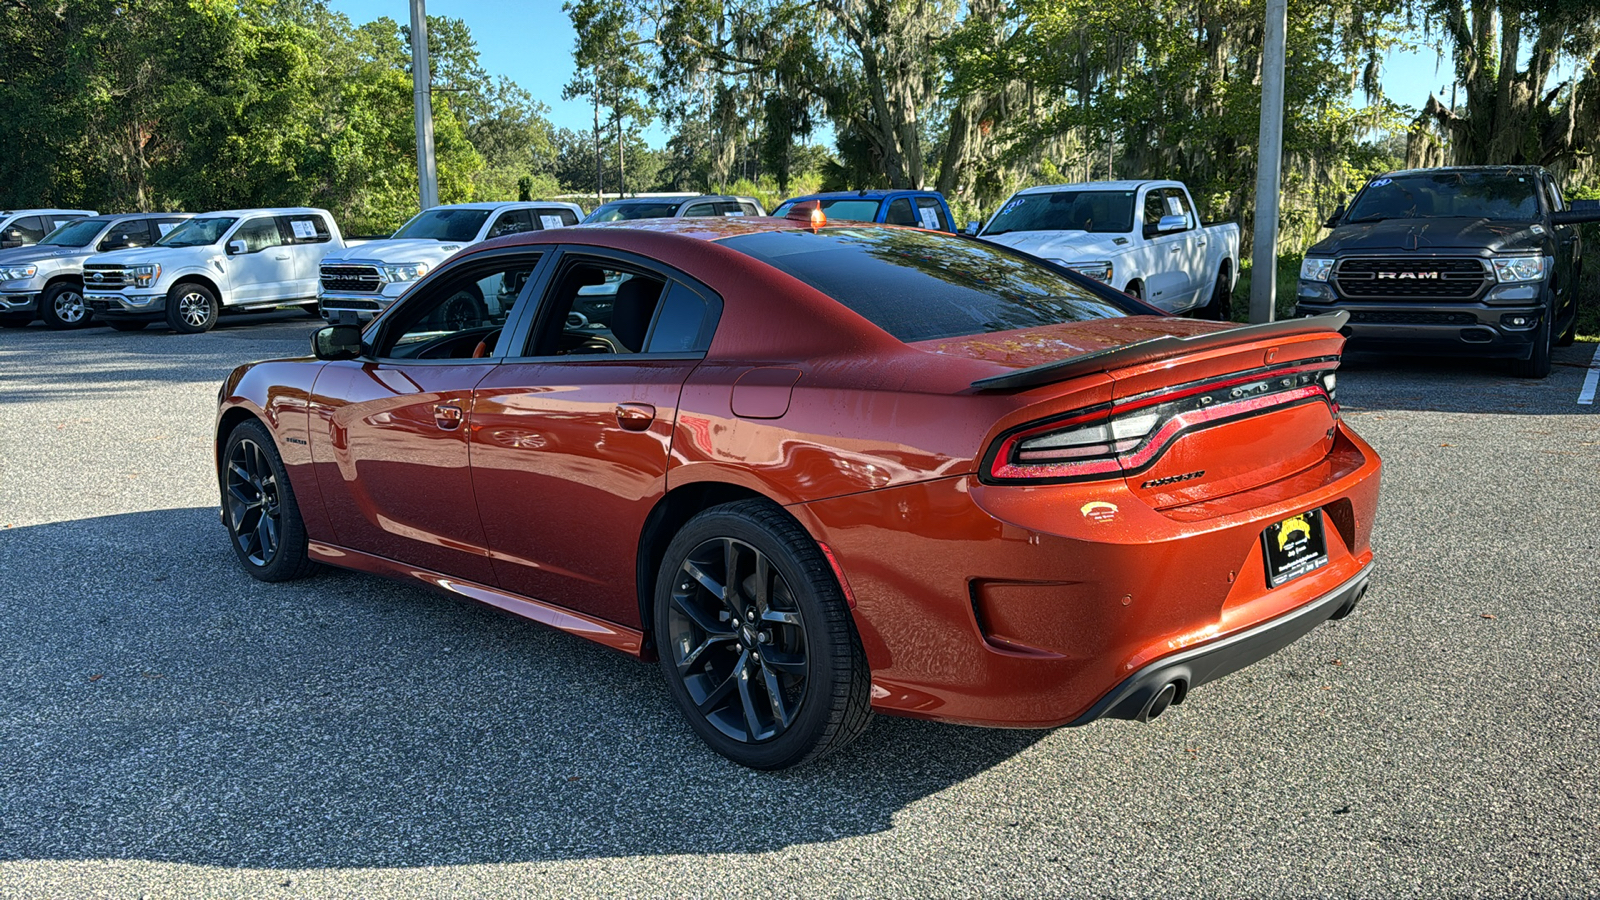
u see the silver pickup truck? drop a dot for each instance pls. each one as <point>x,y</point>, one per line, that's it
<point>45,280</point>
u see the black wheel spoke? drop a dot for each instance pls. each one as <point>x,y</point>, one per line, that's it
<point>780,714</point>
<point>721,692</point>
<point>781,617</point>
<point>706,581</point>
<point>702,619</point>
<point>748,703</point>
<point>730,571</point>
<point>693,656</point>
<point>788,663</point>
<point>763,591</point>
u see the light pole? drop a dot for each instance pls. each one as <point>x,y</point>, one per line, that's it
<point>422,85</point>
<point>1269,168</point>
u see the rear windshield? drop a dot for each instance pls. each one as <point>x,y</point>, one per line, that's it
<point>923,286</point>
<point>459,226</point>
<point>1429,195</point>
<point>840,210</point>
<point>617,212</point>
<point>75,234</point>
<point>1100,212</point>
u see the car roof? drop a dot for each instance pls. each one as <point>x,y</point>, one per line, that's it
<point>874,194</point>
<point>34,212</point>
<point>503,204</point>
<point>1100,186</point>
<point>268,210</point>
<point>118,217</point>
<point>1508,170</point>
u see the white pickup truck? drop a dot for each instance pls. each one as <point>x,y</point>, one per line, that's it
<point>1141,237</point>
<point>370,278</point>
<point>235,260</point>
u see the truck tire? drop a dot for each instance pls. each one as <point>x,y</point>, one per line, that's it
<point>1220,309</point>
<point>1135,289</point>
<point>191,308</point>
<point>62,306</point>
<point>1537,365</point>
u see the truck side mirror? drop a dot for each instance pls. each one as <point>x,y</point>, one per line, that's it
<point>1582,212</point>
<point>236,248</point>
<point>1166,225</point>
<point>1333,220</point>
<point>335,342</point>
<point>972,228</point>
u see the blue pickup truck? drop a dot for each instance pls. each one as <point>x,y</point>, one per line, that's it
<point>920,209</point>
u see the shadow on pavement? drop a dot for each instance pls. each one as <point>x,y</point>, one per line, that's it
<point>1371,381</point>
<point>158,704</point>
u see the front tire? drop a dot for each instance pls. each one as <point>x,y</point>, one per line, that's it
<point>756,640</point>
<point>62,307</point>
<point>191,308</point>
<point>1220,309</point>
<point>1537,365</point>
<point>259,508</point>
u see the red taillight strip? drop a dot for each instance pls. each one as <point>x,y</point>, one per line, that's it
<point>1153,447</point>
<point>1167,395</point>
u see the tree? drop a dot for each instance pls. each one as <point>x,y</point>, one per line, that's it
<point>610,71</point>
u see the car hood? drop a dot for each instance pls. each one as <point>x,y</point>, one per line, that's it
<point>153,254</point>
<point>1483,237</point>
<point>1067,245</point>
<point>37,253</point>
<point>1037,346</point>
<point>401,251</point>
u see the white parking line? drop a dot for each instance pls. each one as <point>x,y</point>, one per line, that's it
<point>1590,382</point>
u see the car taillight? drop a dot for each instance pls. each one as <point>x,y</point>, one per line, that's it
<point>1113,439</point>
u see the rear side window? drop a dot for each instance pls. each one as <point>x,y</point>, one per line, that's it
<point>679,322</point>
<point>308,229</point>
<point>749,209</point>
<point>555,218</point>
<point>922,286</point>
<point>701,209</point>
<point>930,215</point>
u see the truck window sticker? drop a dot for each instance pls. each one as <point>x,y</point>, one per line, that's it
<point>303,228</point>
<point>1174,205</point>
<point>550,222</point>
<point>165,227</point>
<point>929,216</point>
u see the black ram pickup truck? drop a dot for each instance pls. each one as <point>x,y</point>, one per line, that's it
<point>1477,260</point>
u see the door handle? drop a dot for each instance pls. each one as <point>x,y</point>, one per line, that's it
<point>281,257</point>
<point>635,416</point>
<point>447,416</point>
<point>1177,249</point>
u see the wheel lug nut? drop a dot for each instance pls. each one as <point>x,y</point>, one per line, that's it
<point>756,657</point>
<point>736,622</point>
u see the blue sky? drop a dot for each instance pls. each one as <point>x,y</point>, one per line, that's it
<point>531,42</point>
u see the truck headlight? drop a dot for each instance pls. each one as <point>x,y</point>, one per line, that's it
<point>1521,268</point>
<point>1316,269</point>
<point>18,273</point>
<point>1099,271</point>
<point>405,271</point>
<point>144,276</point>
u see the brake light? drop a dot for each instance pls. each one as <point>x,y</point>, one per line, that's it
<point>1116,439</point>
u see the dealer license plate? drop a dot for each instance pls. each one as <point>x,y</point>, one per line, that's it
<point>1294,547</point>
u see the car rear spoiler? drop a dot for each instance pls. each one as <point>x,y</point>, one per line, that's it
<point>1156,348</point>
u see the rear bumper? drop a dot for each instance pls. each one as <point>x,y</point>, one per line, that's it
<point>1132,698</point>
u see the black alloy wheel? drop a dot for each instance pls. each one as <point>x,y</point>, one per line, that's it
<point>191,308</point>
<point>756,640</point>
<point>259,509</point>
<point>62,307</point>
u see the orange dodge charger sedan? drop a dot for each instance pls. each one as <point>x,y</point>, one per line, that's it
<point>821,470</point>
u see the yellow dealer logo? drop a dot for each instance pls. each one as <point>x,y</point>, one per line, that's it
<point>1098,510</point>
<point>1295,526</point>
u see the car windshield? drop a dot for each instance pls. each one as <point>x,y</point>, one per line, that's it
<point>75,234</point>
<point>443,224</point>
<point>618,212</point>
<point>1443,194</point>
<point>840,209</point>
<point>923,286</point>
<point>1101,212</point>
<point>198,232</point>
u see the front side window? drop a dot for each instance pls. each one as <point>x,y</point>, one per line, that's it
<point>459,315</point>
<point>126,234</point>
<point>1099,212</point>
<point>512,221</point>
<point>921,286</point>
<point>198,232</point>
<point>259,234</point>
<point>28,230</point>
<point>443,224</point>
<point>75,234</point>
<point>1447,194</point>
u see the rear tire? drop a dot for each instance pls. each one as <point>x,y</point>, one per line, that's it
<point>756,640</point>
<point>62,307</point>
<point>259,508</point>
<point>127,324</point>
<point>191,308</point>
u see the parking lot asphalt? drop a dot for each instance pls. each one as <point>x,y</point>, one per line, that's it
<point>170,727</point>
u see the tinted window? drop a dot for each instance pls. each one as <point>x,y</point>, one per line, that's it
<point>1441,194</point>
<point>922,286</point>
<point>594,307</point>
<point>259,234</point>
<point>618,212</point>
<point>840,210</point>
<point>701,209</point>
<point>198,232</point>
<point>1103,212</point>
<point>930,215</point>
<point>679,322</point>
<point>555,218</point>
<point>28,229</point>
<point>512,221</point>
<point>900,213</point>
<point>455,314</point>
<point>749,209</point>
<point>443,224</point>
<point>309,229</point>
<point>76,234</point>
<point>126,234</point>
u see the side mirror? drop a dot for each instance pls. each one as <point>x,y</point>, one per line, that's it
<point>1169,224</point>
<point>1333,220</point>
<point>336,342</point>
<point>1581,213</point>
<point>973,227</point>
<point>8,244</point>
<point>237,247</point>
